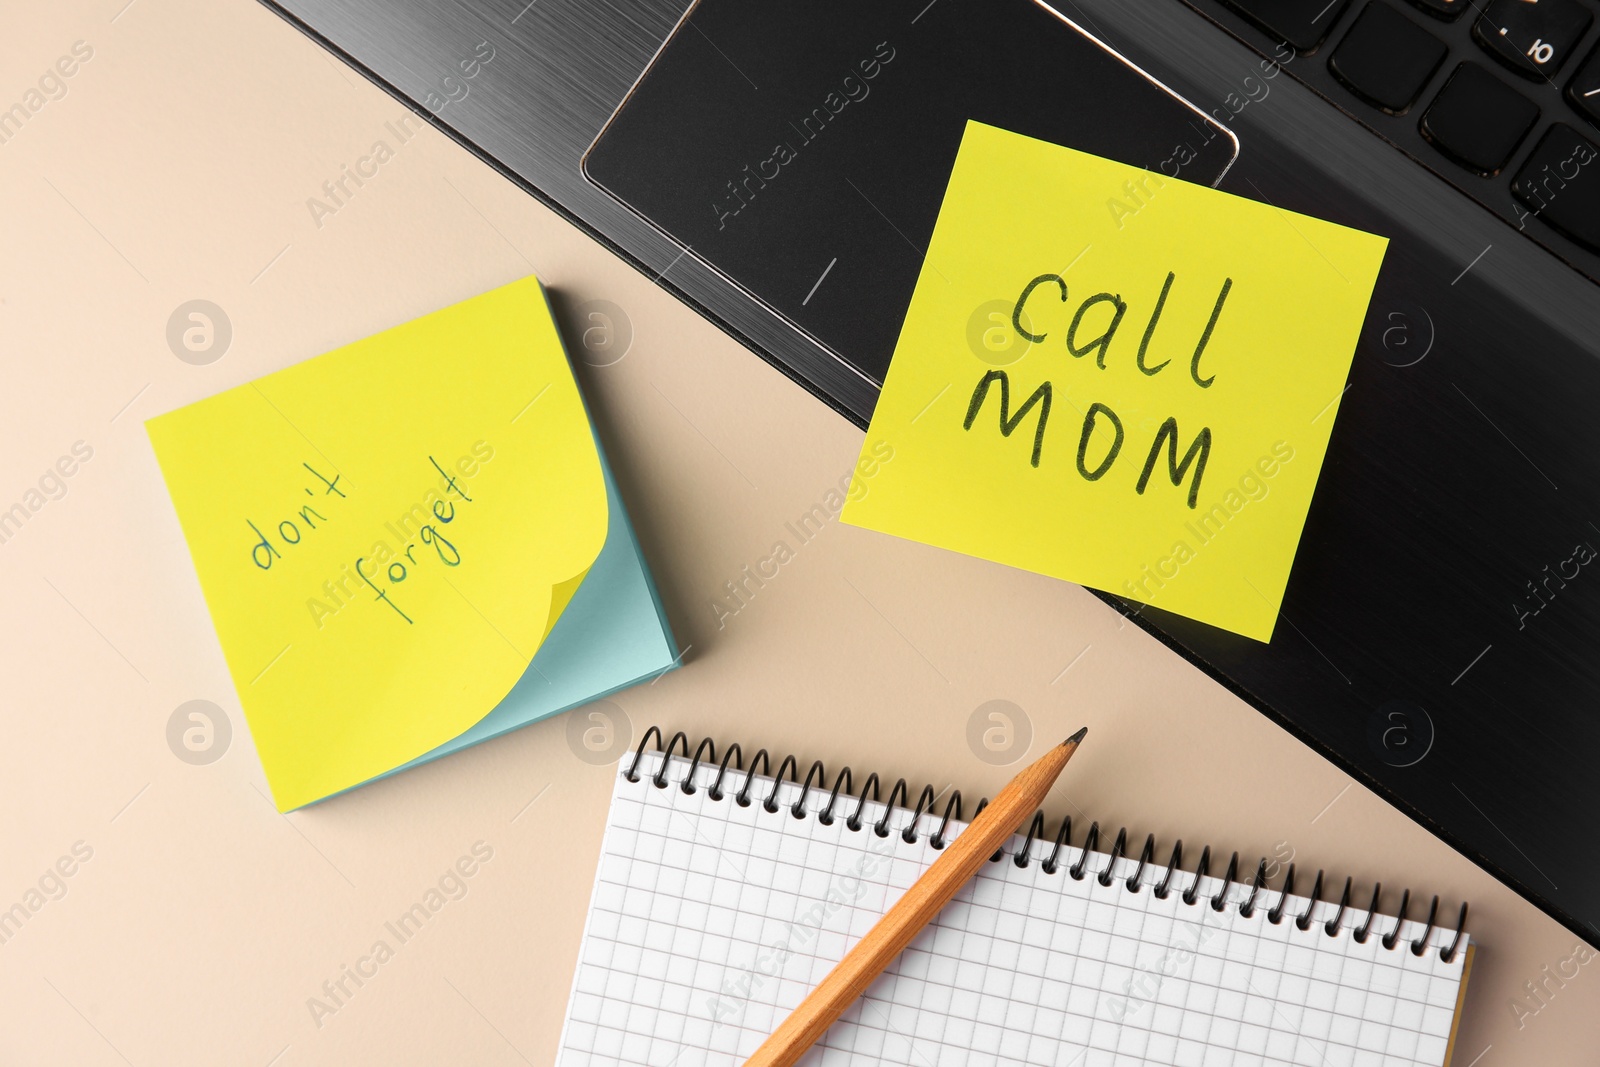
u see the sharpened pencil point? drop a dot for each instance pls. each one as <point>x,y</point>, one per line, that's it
<point>1075,738</point>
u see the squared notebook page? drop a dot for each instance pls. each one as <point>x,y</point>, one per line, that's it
<point>710,921</point>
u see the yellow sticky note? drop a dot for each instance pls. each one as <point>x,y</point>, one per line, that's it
<point>386,533</point>
<point>1118,378</point>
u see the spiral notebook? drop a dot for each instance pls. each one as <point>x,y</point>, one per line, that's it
<point>724,895</point>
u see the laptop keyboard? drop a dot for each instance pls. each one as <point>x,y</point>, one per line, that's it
<point>1499,97</point>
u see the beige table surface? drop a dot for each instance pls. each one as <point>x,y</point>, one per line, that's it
<point>177,166</point>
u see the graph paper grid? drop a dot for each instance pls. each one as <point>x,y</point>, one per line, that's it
<point>710,921</point>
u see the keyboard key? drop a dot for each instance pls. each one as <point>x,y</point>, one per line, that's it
<point>1584,92</point>
<point>1386,58</point>
<point>1532,39</point>
<point>1560,184</point>
<point>1478,120</point>
<point>1301,24</point>
<point>1444,9</point>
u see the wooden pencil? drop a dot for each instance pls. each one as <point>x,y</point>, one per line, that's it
<point>900,924</point>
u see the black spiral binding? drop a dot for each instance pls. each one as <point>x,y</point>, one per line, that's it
<point>816,776</point>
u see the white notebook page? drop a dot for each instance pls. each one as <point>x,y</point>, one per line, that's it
<point>710,922</point>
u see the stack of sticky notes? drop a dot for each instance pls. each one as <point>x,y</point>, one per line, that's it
<point>411,544</point>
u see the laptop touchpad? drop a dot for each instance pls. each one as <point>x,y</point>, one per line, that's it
<point>801,147</point>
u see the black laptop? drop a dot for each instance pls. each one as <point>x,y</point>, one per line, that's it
<point>779,167</point>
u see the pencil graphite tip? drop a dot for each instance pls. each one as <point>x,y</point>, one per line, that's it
<point>1075,738</point>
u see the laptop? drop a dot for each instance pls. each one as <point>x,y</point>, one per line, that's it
<point>778,167</point>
